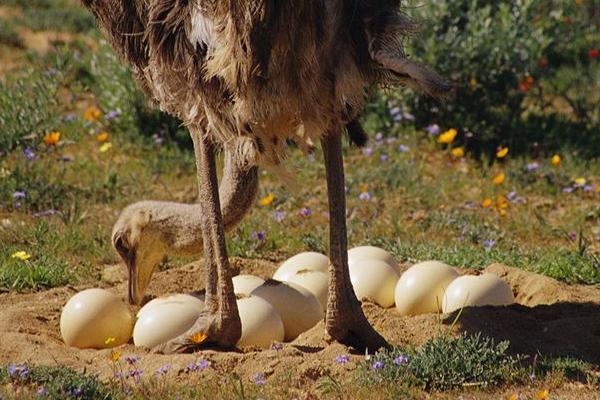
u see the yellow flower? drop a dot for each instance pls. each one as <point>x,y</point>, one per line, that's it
<point>542,395</point>
<point>487,203</point>
<point>502,152</point>
<point>109,340</point>
<point>473,82</point>
<point>21,255</point>
<point>52,138</point>
<point>198,337</point>
<point>598,188</point>
<point>115,355</point>
<point>458,152</point>
<point>267,200</point>
<point>499,179</point>
<point>92,114</point>
<point>448,136</point>
<point>363,188</point>
<point>555,160</point>
<point>502,203</point>
<point>514,397</point>
<point>102,137</point>
<point>580,181</point>
<point>105,147</point>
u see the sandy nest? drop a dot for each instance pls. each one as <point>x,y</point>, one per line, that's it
<point>550,318</point>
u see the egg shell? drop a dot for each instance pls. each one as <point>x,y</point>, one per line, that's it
<point>166,318</point>
<point>374,280</point>
<point>299,308</point>
<point>314,281</point>
<point>304,261</point>
<point>261,323</point>
<point>473,291</point>
<point>245,284</point>
<point>421,288</point>
<point>371,253</point>
<point>92,317</point>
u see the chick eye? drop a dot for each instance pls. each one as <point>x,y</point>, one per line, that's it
<point>120,245</point>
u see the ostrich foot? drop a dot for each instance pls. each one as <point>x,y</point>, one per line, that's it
<point>209,330</point>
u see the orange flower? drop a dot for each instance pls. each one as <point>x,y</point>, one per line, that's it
<point>502,203</point>
<point>363,188</point>
<point>92,114</point>
<point>499,179</point>
<point>487,203</point>
<point>448,136</point>
<point>115,355</point>
<point>198,337</point>
<point>502,152</point>
<point>102,137</point>
<point>267,200</point>
<point>52,138</point>
<point>556,160</point>
<point>458,152</point>
<point>542,395</point>
<point>525,84</point>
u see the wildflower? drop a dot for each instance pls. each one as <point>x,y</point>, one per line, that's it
<point>12,370</point>
<point>306,212</point>
<point>42,391</point>
<point>542,395</point>
<point>588,188</point>
<point>391,140</point>
<point>511,196</point>
<point>378,365</point>
<point>499,179</point>
<point>555,160</point>
<point>579,182</point>
<point>408,116</point>
<point>102,137</point>
<point>525,84</point>
<point>396,114</point>
<point>502,152</point>
<point>515,397</point>
<point>19,195</point>
<point>598,188</point>
<point>363,187</point>
<point>112,115</point>
<point>448,136</point>
<point>74,392</point>
<point>365,196</point>
<point>136,374</point>
<point>502,203</point>
<point>367,151</point>
<point>109,340</point>
<point>276,346</point>
<point>197,367</point>
<point>198,337</point>
<point>594,53</point>
<point>23,370</point>
<point>163,370</point>
<point>279,215</point>
<point>52,138</point>
<point>342,359</point>
<point>473,82</point>
<point>92,113</point>
<point>384,157</point>
<point>70,117</point>
<point>403,148</point>
<point>115,355</point>
<point>401,359</point>
<point>458,152</point>
<point>267,200</point>
<point>259,378</point>
<point>572,236</point>
<point>379,138</point>
<point>488,244</point>
<point>258,235</point>
<point>29,154</point>
<point>533,166</point>
<point>132,360</point>
<point>105,147</point>
<point>568,190</point>
<point>487,203</point>
<point>21,255</point>
<point>433,129</point>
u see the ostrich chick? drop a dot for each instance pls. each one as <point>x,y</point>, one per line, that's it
<point>251,76</point>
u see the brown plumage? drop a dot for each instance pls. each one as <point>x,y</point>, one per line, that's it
<point>252,75</point>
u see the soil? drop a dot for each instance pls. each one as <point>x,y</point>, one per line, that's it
<point>551,317</point>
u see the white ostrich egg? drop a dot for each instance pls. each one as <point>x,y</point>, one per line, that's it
<point>166,318</point>
<point>245,284</point>
<point>371,253</point>
<point>315,281</point>
<point>95,319</point>
<point>374,280</point>
<point>304,261</point>
<point>299,308</point>
<point>473,291</point>
<point>261,323</point>
<point>421,288</point>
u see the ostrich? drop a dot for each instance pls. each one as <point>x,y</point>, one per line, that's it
<point>250,76</point>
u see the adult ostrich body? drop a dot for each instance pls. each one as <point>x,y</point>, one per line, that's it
<point>250,76</point>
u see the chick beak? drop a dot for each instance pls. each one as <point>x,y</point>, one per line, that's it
<point>128,255</point>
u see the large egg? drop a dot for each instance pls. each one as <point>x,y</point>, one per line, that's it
<point>421,288</point>
<point>374,280</point>
<point>166,318</point>
<point>245,284</point>
<point>472,291</point>
<point>96,319</point>
<point>299,309</point>
<point>310,261</point>
<point>371,253</point>
<point>314,281</point>
<point>261,323</point>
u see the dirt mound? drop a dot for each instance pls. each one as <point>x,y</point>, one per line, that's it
<point>552,318</point>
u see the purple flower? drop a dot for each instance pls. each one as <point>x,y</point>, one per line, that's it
<point>42,391</point>
<point>259,378</point>
<point>75,392</point>
<point>112,115</point>
<point>568,190</point>
<point>19,195</point>
<point>433,129</point>
<point>488,244</point>
<point>384,157</point>
<point>511,196</point>
<point>365,196</point>
<point>279,215</point>
<point>534,166</point>
<point>197,367</point>
<point>158,139</point>
<point>470,205</point>
<point>276,346</point>
<point>70,117</point>
<point>401,359</point>
<point>11,369</point>
<point>396,114</point>
<point>378,365</point>
<point>391,140</point>
<point>306,212</point>
<point>163,370</point>
<point>45,213</point>
<point>258,235</point>
<point>367,151</point>
<point>29,154</point>
<point>572,236</point>
<point>588,188</point>
<point>408,116</point>
<point>379,138</point>
<point>403,148</point>
<point>23,371</point>
<point>132,360</point>
<point>136,374</point>
<point>342,359</point>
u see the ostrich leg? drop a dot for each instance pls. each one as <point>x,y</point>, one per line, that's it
<point>345,320</point>
<point>219,323</point>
